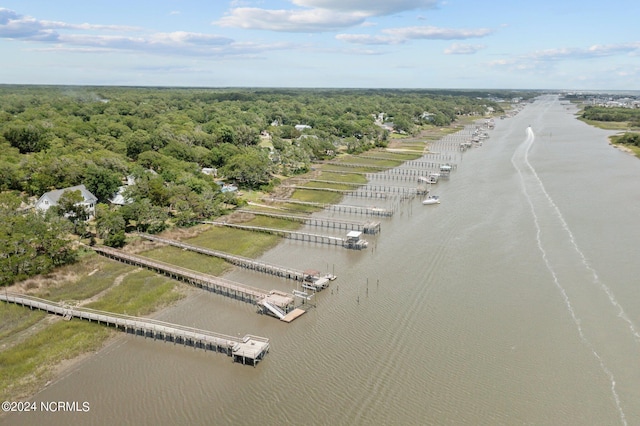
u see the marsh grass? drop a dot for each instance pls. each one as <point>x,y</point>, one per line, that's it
<point>317,196</point>
<point>31,363</point>
<point>344,177</point>
<point>373,162</point>
<point>14,319</point>
<point>141,293</point>
<point>89,283</point>
<point>272,222</point>
<point>329,185</point>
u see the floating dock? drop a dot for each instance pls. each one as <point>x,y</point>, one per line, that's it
<point>348,242</point>
<point>316,280</point>
<point>248,350</point>
<point>256,296</point>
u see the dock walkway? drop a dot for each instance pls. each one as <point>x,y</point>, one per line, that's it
<point>322,222</point>
<point>243,292</point>
<point>245,262</point>
<point>349,192</point>
<point>246,350</point>
<point>341,208</point>
<point>300,236</point>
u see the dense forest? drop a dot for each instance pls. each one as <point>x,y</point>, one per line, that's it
<point>164,139</point>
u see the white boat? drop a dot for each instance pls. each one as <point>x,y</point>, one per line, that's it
<point>432,199</point>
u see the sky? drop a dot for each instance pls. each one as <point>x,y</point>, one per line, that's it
<point>455,44</point>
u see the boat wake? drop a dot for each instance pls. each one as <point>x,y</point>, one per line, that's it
<point>530,182</point>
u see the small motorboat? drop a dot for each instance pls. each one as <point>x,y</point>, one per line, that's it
<point>432,199</point>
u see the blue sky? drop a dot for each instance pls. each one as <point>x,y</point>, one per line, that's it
<point>517,44</point>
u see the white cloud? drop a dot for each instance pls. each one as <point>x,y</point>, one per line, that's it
<point>543,61</point>
<point>595,51</point>
<point>435,33</point>
<point>463,49</point>
<point>401,35</point>
<point>367,39</point>
<point>318,15</point>
<point>83,38</point>
<point>368,7</point>
<point>16,26</point>
<point>316,20</point>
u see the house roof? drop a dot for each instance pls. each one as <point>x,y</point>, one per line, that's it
<point>119,199</point>
<point>54,196</point>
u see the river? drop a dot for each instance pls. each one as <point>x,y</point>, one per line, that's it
<point>514,301</point>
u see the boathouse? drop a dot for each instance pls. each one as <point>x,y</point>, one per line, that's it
<point>354,241</point>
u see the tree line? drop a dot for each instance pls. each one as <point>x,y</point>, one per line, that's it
<point>162,138</point>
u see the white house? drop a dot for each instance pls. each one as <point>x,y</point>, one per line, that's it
<point>51,198</point>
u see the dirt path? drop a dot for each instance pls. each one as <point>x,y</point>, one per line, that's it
<point>116,282</point>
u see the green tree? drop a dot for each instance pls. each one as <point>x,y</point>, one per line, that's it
<point>102,182</point>
<point>144,216</point>
<point>70,205</point>
<point>137,143</point>
<point>29,243</point>
<point>110,226</point>
<point>251,168</point>
<point>26,137</point>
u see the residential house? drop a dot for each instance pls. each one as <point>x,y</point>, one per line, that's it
<point>51,198</point>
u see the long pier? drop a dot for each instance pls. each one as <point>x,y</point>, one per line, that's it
<point>247,350</point>
<point>355,165</point>
<point>377,175</point>
<point>342,208</point>
<point>350,192</point>
<point>244,262</point>
<point>367,186</point>
<point>322,222</point>
<point>358,244</point>
<point>412,163</point>
<point>256,296</point>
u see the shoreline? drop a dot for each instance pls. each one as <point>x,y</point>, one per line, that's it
<point>65,367</point>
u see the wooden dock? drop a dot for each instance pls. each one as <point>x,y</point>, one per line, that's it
<point>379,175</point>
<point>414,163</point>
<point>355,165</point>
<point>349,192</point>
<point>319,282</point>
<point>247,350</point>
<point>243,292</point>
<point>300,236</point>
<point>323,222</point>
<point>341,208</point>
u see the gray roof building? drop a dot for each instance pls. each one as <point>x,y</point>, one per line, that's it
<point>51,198</point>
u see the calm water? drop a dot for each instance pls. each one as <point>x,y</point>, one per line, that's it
<point>515,301</point>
